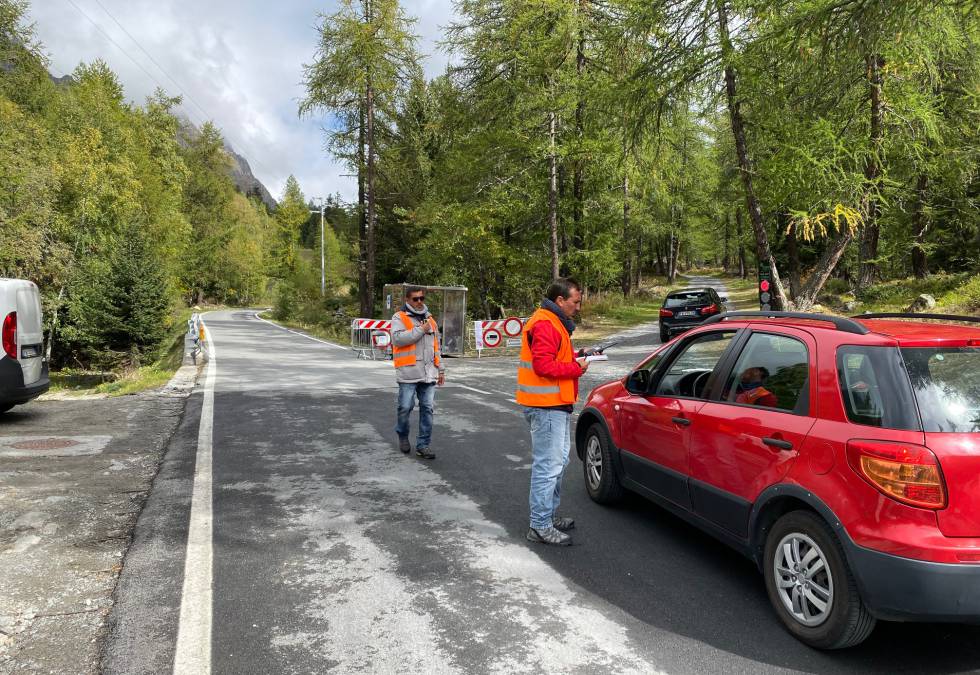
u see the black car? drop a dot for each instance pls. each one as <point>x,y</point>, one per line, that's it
<point>688,308</point>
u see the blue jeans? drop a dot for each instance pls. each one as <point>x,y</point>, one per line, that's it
<point>550,444</point>
<point>426,394</point>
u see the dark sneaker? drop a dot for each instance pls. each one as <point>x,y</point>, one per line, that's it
<point>549,536</point>
<point>404,445</point>
<point>564,524</point>
<point>424,453</point>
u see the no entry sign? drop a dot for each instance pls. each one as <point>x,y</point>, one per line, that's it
<point>491,334</point>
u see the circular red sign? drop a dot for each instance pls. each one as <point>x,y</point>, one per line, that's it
<point>491,337</point>
<point>764,285</point>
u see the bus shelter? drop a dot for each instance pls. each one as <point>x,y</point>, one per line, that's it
<point>446,303</point>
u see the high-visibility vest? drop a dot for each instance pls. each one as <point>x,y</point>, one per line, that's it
<point>404,356</point>
<point>544,392</point>
<point>751,397</point>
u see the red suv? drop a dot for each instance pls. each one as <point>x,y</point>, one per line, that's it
<point>842,455</point>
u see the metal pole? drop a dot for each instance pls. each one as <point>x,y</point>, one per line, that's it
<point>323,267</point>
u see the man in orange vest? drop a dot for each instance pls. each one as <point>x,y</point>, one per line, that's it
<point>418,368</point>
<point>751,391</point>
<point>547,387</point>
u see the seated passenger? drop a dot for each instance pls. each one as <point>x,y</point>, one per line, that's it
<point>751,391</point>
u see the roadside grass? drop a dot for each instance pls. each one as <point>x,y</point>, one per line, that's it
<point>954,294</point>
<point>71,382</point>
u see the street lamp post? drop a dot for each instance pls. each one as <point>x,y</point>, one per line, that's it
<point>323,266</point>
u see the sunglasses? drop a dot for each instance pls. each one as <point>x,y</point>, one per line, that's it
<point>417,298</point>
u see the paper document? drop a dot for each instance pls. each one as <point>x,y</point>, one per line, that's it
<point>596,357</point>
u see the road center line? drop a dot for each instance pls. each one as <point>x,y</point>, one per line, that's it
<point>295,332</point>
<point>193,654</point>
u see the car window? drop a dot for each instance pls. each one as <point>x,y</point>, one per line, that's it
<point>946,384</point>
<point>639,380</point>
<point>772,371</point>
<point>875,387</point>
<point>682,299</point>
<point>689,372</point>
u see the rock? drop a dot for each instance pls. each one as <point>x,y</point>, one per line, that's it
<point>851,305</point>
<point>922,303</point>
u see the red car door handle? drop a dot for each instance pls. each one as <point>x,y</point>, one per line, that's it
<point>681,420</point>
<point>777,443</point>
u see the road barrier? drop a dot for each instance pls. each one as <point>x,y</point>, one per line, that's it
<point>498,333</point>
<point>371,338</point>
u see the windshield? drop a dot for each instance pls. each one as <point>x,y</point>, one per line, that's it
<point>686,299</point>
<point>946,382</point>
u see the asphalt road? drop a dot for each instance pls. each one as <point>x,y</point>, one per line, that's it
<point>334,552</point>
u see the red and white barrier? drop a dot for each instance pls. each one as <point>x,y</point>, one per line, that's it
<point>498,333</point>
<point>371,324</point>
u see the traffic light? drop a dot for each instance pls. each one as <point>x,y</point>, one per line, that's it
<point>765,284</point>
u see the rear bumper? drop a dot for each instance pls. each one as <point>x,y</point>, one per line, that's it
<point>12,387</point>
<point>902,589</point>
<point>681,327</point>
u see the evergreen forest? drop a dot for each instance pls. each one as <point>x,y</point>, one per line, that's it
<point>834,142</point>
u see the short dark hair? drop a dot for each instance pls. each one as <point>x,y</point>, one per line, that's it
<point>562,287</point>
<point>413,289</point>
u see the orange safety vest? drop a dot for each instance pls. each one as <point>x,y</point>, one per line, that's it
<point>404,356</point>
<point>751,397</point>
<point>544,392</point>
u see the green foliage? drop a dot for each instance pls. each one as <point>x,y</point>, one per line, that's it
<point>120,307</point>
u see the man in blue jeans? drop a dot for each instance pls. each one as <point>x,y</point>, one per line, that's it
<point>547,387</point>
<point>418,368</point>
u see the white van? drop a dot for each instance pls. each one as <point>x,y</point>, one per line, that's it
<point>23,368</point>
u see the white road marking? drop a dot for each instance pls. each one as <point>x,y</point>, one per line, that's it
<point>294,332</point>
<point>193,655</point>
<point>478,391</point>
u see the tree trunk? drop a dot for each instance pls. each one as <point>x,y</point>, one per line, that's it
<point>743,270</point>
<point>920,263</point>
<point>626,280</point>
<point>638,265</point>
<point>822,271</point>
<point>553,193</point>
<point>673,254</point>
<point>364,297</point>
<point>578,166</point>
<point>763,252</point>
<point>371,197</point>
<point>726,259</point>
<point>872,175</point>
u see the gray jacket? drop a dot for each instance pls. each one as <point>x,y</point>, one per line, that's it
<point>425,369</point>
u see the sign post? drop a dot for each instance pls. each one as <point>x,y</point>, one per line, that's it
<point>765,286</point>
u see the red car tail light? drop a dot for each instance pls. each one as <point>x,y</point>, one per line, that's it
<point>906,472</point>
<point>710,309</point>
<point>666,314</point>
<point>10,335</point>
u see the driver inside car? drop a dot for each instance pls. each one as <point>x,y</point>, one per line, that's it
<point>751,391</point>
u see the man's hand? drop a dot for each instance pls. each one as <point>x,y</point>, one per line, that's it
<point>583,363</point>
<point>427,328</point>
<point>442,380</point>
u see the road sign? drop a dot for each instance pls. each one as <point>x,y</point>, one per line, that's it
<point>491,337</point>
<point>513,326</point>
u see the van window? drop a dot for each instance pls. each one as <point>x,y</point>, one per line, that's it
<point>946,383</point>
<point>875,387</point>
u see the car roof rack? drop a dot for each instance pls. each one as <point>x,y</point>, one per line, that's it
<point>912,315</point>
<point>840,322</point>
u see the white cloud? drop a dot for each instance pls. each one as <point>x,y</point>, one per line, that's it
<point>239,61</point>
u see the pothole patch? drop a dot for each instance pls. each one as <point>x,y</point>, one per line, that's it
<point>52,446</point>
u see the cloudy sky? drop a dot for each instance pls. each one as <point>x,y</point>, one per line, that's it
<point>236,62</point>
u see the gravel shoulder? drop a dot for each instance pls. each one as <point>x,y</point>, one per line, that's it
<point>74,476</point>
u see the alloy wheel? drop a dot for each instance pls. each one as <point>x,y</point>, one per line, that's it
<point>803,578</point>
<point>593,462</point>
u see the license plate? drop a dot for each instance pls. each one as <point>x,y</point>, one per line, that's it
<point>681,314</point>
